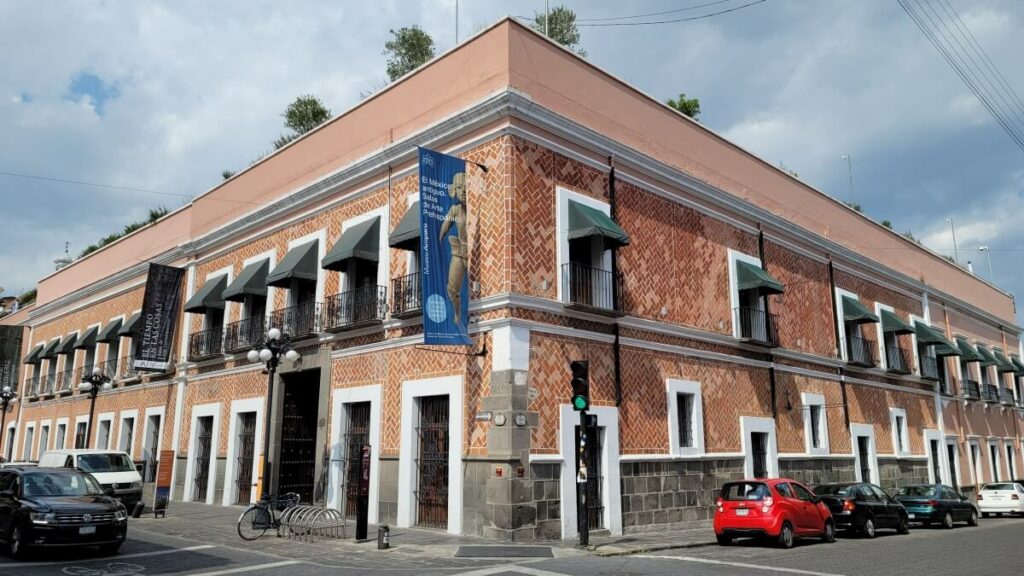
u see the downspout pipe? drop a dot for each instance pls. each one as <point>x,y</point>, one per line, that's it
<point>835,325</point>
<point>616,297</point>
<point>772,381</point>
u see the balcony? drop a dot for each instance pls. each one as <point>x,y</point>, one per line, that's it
<point>33,387</point>
<point>591,289</point>
<point>363,306</point>
<point>930,368</point>
<point>297,321</point>
<point>126,372</point>
<point>898,360</point>
<point>205,344</point>
<point>989,394</point>
<point>406,296</point>
<point>46,385</point>
<point>757,326</point>
<point>1006,397</point>
<point>66,382</point>
<point>970,389</point>
<point>860,352</point>
<point>244,334</point>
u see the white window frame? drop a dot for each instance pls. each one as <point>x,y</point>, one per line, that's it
<point>28,441</point>
<point>916,368</point>
<point>749,424</point>
<point>73,357</point>
<point>271,257</point>
<point>239,407</point>
<point>321,247</point>
<point>674,387</point>
<point>102,417</point>
<point>95,347</point>
<point>840,324</point>
<point>868,431</point>
<point>734,293</point>
<point>67,426</point>
<point>228,271</point>
<point>608,421</point>
<point>936,435</point>
<point>44,446</point>
<point>154,450</point>
<point>807,400</point>
<point>383,262</point>
<point>202,411</point>
<point>11,439</point>
<point>993,465</point>
<point>562,197</point>
<point>339,424</point>
<point>900,438</point>
<point>81,419</point>
<point>121,417</point>
<point>955,465</point>
<point>1010,453</point>
<point>883,358</point>
<point>975,463</point>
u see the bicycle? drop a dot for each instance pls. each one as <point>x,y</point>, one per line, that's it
<point>265,515</point>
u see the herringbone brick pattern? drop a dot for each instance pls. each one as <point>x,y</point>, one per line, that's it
<point>870,405</point>
<point>804,311</point>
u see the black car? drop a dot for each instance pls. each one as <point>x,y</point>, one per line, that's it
<point>935,503</point>
<point>863,507</point>
<point>44,507</point>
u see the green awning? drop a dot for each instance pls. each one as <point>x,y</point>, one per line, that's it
<point>109,332</point>
<point>1017,365</point>
<point>251,282</point>
<point>407,234</point>
<point>33,356</point>
<point>752,277</point>
<point>855,312</point>
<point>67,345</point>
<point>211,295</point>
<point>967,352</point>
<point>585,222</point>
<point>299,264</point>
<point>929,336</point>
<point>360,241</point>
<point>893,324</point>
<point>987,359</point>
<point>1003,363</point>
<point>50,350</point>
<point>131,326</point>
<point>87,339</point>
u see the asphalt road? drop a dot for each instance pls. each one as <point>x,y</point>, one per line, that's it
<point>995,547</point>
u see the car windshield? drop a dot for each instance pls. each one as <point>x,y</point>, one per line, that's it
<point>43,484</point>
<point>105,463</point>
<point>833,490</point>
<point>917,491</point>
<point>1003,486</point>
<point>745,491</point>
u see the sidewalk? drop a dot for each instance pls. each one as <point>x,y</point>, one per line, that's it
<point>410,547</point>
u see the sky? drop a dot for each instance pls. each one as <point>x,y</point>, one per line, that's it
<point>161,97</point>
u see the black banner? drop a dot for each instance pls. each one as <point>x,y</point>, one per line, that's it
<point>159,315</point>
<point>10,355</point>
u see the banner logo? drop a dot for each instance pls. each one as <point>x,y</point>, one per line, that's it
<point>444,248</point>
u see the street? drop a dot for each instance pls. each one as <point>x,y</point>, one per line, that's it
<point>992,548</point>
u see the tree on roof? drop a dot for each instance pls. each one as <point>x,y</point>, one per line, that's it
<point>408,49</point>
<point>304,114</point>
<point>688,106</point>
<point>561,27</point>
<point>154,215</point>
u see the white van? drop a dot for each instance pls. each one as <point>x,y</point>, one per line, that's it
<point>114,470</point>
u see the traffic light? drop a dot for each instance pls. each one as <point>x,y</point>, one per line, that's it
<point>580,384</point>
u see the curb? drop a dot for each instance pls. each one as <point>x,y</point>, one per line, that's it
<point>652,548</point>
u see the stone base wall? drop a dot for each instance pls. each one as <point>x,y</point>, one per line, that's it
<point>674,493</point>
<point>546,485</point>
<point>894,473</point>
<point>811,471</point>
<point>387,507</point>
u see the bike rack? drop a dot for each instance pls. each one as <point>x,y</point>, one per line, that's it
<point>310,523</point>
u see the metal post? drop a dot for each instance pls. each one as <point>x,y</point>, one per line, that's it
<point>547,18</point>
<point>456,21</point>
<point>849,170</point>
<point>92,408</point>
<point>3,430</point>
<point>582,475</point>
<point>271,370</point>
<point>956,253</point>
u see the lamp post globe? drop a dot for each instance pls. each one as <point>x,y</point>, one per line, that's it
<point>85,387</point>
<point>275,345</point>
<point>292,355</point>
<point>274,334</point>
<point>253,356</point>
<point>266,354</point>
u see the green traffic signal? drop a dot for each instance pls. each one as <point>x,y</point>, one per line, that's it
<point>580,403</point>
<point>580,384</point>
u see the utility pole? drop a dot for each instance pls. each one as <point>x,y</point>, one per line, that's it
<point>849,170</point>
<point>988,252</point>
<point>456,21</point>
<point>547,18</point>
<point>580,402</point>
<point>956,253</point>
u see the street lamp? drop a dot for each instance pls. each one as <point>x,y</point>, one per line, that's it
<point>270,352</point>
<point>7,396</point>
<point>92,384</point>
<point>956,253</point>
<point>849,171</point>
<point>988,252</point>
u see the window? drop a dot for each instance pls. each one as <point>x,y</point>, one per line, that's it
<point>993,453</point>
<point>879,493</point>
<point>801,492</point>
<point>685,418</point>
<point>126,440</point>
<point>30,436</point>
<point>586,240</point>
<point>815,423</point>
<point>976,462</point>
<point>80,431</point>
<point>103,435</point>
<point>1011,465</point>
<point>44,439</point>
<point>785,490</point>
<point>58,441</point>
<point>900,435</point>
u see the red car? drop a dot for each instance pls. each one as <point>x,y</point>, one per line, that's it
<point>771,508</point>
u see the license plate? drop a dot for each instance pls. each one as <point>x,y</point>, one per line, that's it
<point>742,511</point>
<point>911,516</point>
<point>83,530</point>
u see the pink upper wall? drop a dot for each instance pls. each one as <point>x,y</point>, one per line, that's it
<point>561,81</point>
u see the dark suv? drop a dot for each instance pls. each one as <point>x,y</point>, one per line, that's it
<point>44,507</point>
<point>863,507</point>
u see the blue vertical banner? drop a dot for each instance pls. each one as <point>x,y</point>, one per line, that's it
<point>444,248</point>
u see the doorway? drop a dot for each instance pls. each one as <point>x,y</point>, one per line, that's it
<point>204,445</point>
<point>864,456</point>
<point>300,409</point>
<point>246,457</point>
<point>936,468</point>
<point>595,502</point>
<point>432,462</point>
<point>954,481</point>
<point>356,436</point>
<point>759,450</point>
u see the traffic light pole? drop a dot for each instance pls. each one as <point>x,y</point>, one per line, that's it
<point>582,518</point>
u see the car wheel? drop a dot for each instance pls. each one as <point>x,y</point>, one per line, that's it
<point>903,527</point>
<point>869,528</point>
<point>947,521</point>
<point>723,540</point>
<point>973,519</point>
<point>829,535</point>
<point>110,549</point>
<point>786,536</point>
<point>16,544</point>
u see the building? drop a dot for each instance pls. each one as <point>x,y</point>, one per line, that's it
<point>736,321</point>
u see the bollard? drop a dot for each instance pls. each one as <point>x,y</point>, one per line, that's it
<point>138,509</point>
<point>383,537</point>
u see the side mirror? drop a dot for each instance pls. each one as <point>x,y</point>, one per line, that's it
<point>109,492</point>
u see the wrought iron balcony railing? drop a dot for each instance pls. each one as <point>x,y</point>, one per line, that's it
<point>898,360</point>
<point>406,296</point>
<point>757,325</point>
<point>65,382</point>
<point>1006,397</point>
<point>46,384</point>
<point>989,393</point>
<point>127,371</point>
<point>80,372</point>
<point>244,334</point>
<point>970,389</point>
<point>930,368</point>
<point>860,352</point>
<point>359,307</point>
<point>591,288</point>
<point>297,321</point>
<point>205,343</point>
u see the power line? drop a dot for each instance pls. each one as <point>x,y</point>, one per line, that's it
<point>652,13</point>
<point>673,21</point>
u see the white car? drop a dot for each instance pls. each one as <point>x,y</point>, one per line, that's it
<point>114,470</point>
<point>1001,497</point>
